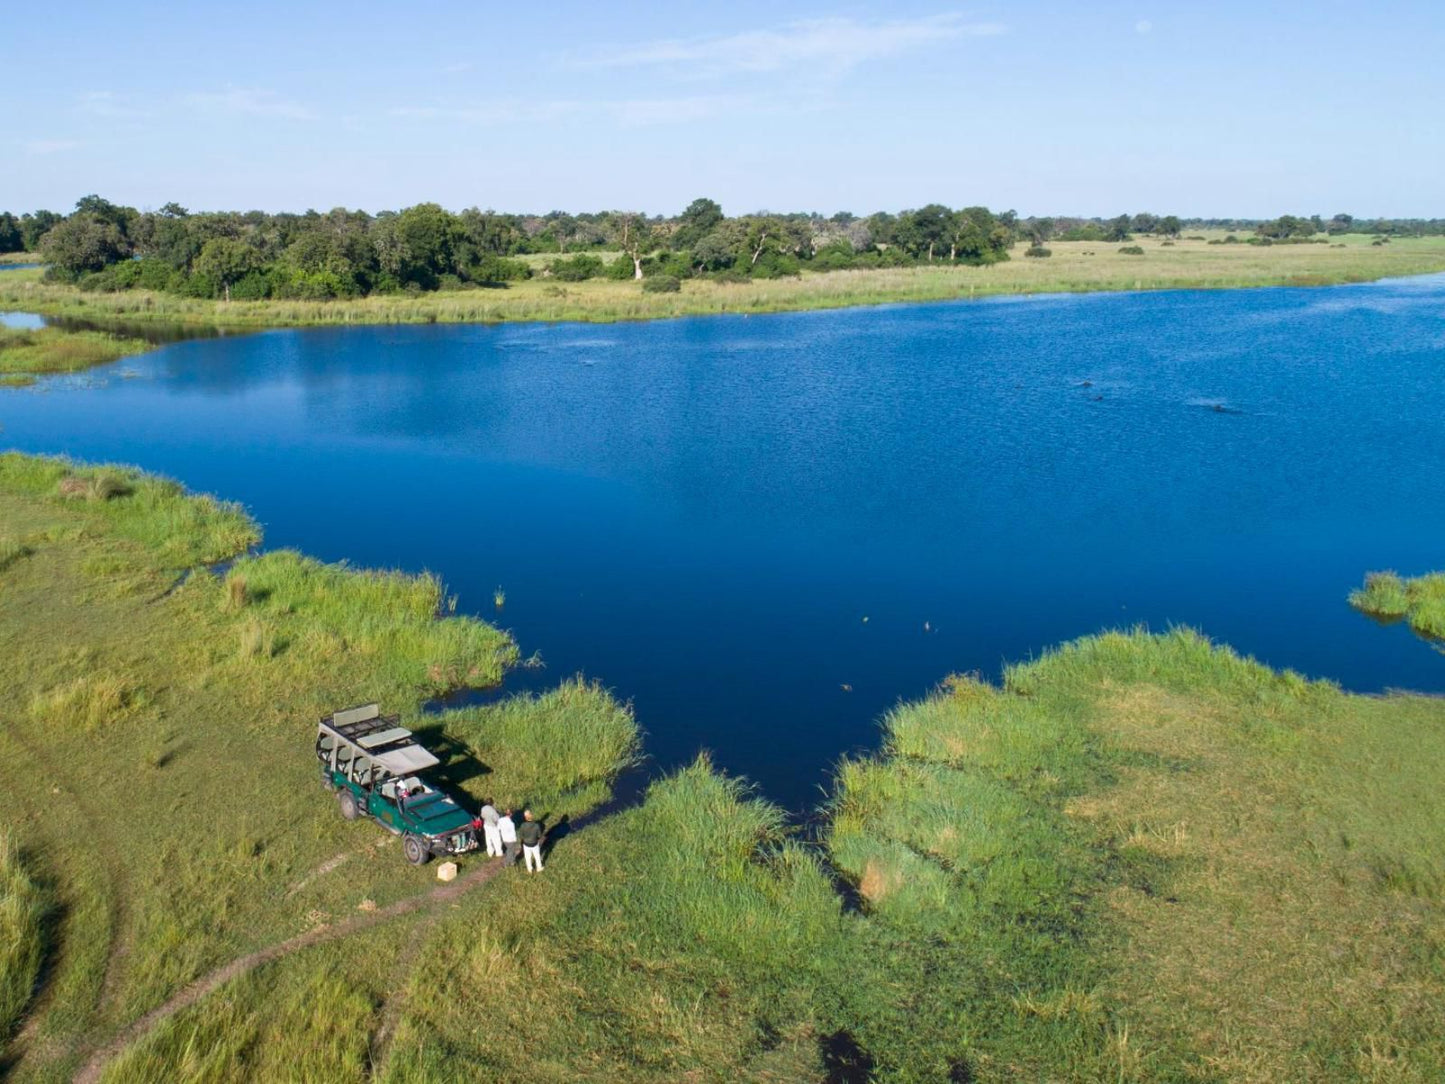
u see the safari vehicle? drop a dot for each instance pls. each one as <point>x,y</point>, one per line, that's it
<point>371,762</point>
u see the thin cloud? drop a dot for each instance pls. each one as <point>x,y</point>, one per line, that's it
<point>625,113</point>
<point>38,147</point>
<point>838,44</point>
<point>109,105</point>
<point>240,101</point>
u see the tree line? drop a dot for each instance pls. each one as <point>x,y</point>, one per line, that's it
<point>343,253</point>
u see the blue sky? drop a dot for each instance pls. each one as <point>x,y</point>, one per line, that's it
<point>1091,108</point>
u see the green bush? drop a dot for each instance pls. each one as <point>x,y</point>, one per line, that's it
<point>1131,250</point>
<point>577,269</point>
<point>661,284</point>
<point>1038,251</point>
<point>620,268</point>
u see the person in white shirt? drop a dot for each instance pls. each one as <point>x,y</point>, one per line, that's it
<point>490,819</point>
<point>507,830</point>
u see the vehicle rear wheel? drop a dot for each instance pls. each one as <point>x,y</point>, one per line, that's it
<point>414,849</point>
<point>347,801</point>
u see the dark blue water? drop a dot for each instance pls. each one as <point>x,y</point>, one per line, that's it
<point>702,512</point>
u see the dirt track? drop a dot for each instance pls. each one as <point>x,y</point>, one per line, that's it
<point>206,984</point>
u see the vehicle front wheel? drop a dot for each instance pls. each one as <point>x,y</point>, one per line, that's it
<point>414,849</point>
<point>347,801</point>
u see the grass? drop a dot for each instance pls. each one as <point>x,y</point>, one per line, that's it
<point>395,621</point>
<point>1419,601</point>
<point>22,934</point>
<point>1138,857</point>
<point>542,748</point>
<point>26,354</point>
<point>171,528</point>
<point>1075,267</point>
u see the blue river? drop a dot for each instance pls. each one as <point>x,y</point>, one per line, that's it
<point>766,531</point>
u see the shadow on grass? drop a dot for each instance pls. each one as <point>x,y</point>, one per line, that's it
<point>458,764</point>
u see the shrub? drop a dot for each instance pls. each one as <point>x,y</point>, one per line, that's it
<point>661,284</point>
<point>1131,250</point>
<point>1038,251</point>
<point>577,269</point>
<point>620,268</point>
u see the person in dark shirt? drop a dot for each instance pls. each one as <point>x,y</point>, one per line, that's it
<point>530,833</point>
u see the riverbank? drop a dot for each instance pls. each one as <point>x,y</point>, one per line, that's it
<point>1074,267</point>
<point>1137,858</point>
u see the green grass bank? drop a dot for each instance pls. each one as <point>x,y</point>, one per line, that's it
<point>1074,267</point>
<point>1137,858</point>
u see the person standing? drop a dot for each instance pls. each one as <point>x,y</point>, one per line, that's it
<point>490,817</point>
<point>507,831</point>
<point>531,836</point>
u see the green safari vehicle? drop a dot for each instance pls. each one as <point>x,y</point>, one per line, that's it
<point>372,763</point>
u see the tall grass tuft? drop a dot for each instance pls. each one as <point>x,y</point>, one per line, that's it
<point>237,594</point>
<point>541,747</point>
<point>398,620</point>
<point>1419,600</point>
<point>89,701</point>
<point>22,924</point>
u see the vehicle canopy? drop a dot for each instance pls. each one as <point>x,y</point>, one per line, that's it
<point>374,751</point>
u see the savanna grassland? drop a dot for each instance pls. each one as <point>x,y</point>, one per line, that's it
<point>1137,858</point>
<point>1075,266</point>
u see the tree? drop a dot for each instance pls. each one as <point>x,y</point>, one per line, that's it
<point>632,233</point>
<point>695,223</point>
<point>1340,223</point>
<point>1118,229</point>
<point>35,226</point>
<point>227,261</point>
<point>1170,226</point>
<point>923,231</point>
<point>427,232</point>
<point>84,243</point>
<point>718,250</point>
<point>11,240</point>
<point>1145,223</point>
<point>1038,230</point>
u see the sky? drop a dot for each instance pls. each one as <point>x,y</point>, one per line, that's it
<point>1219,109</point>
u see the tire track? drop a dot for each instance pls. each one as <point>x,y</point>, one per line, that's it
<point>208,983</point>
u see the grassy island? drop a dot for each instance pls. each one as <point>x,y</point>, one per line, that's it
<point>26,355</point>
<point>1418,601</point>
<point>1138,858</point>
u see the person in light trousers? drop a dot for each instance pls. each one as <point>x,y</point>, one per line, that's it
<point>493,834</point>
<point>531,836</point>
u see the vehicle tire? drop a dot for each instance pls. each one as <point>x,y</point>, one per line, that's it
<point>349,808</point>
<point>327,781</point>
<point>415,850</point>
